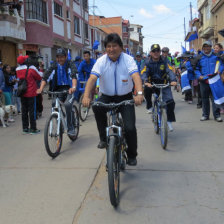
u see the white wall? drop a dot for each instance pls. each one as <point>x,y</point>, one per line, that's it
<point>76,8</point>
<point>58,26</point>
<point>69,29</point>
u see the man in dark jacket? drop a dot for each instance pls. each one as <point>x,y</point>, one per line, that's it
<point>63,78</point>
<point>158,72</point>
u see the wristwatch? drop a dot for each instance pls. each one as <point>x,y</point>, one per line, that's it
<point>74,87</point>
<point>139,93</point>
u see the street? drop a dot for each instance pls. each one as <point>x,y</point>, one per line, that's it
<point>183,184</point>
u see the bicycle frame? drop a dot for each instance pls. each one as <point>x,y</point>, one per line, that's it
<point>58,110</point>
<point>114,114</point>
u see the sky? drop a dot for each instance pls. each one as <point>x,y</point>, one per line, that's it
<point>162,20</point>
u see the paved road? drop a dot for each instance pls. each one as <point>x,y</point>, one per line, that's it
<point>184,184</point>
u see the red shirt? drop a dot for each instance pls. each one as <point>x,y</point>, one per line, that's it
<point>32,77</point>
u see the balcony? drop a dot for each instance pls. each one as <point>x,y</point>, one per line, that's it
<point>207,29</point>
<point>12,26</point>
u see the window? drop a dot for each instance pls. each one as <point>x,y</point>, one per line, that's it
<point>85,4</point>
<point>76,25</point>
<point>58,9</point>
<point>125,29</point>
<point>86,31</point>
<point>68,14</point>
<point>36,9</point>
<point>131,29</point>
<point>139,30</point>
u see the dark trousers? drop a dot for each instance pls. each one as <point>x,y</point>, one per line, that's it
<point>148,97</point>
<point>68,100</point>
<point>39,100</point>
<point>199,95</point>
<point>128,116</point>
<point>29,112</point>
<point>170,103</point>
<point>205,94</point>
<point>188,95</point>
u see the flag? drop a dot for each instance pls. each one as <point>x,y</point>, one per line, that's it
<point>69,55</point>
<point>193,36</point>
<point>217,87</point>
<point>185,83</point>
<point>96,44</point>
<point>183,49</point>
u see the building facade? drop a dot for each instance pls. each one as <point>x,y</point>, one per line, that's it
<point>48,25</point>
<point>136,38</point>
<point>12,34</point>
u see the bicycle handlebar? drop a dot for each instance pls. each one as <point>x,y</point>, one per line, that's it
<point>160,86</point>
<point>113,105</point>
<point>56,92</point>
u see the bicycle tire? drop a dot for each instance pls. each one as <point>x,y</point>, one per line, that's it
<point>163,129</point>
<point>155,119</point>
<point>75,123</point>
<point>83,111</point>
<point>48,146</point>
<point>113,171</point>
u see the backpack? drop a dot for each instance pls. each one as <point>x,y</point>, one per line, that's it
<point>22,85</point>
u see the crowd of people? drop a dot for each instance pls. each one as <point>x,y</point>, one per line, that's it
<point>121,77</point>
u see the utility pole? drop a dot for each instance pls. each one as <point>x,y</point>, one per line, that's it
<point>191,16</point>
<point>184,32</point>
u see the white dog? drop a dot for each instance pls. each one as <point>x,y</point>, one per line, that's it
<point>6,113</point>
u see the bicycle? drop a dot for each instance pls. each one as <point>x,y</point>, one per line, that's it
<point>57,124</point>
<point>83,111</point>
<point>159,116</point>
<point>116,148</point>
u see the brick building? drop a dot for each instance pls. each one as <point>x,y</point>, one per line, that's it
<point>113,25</point>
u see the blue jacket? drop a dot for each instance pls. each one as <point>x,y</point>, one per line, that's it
<point>84,69</point>
<point>190,71</point>
<point>159,72</point>
<point>206,65</point>
<point>2,80</point>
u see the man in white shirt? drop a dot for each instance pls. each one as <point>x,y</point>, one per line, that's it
<point>116,72</point>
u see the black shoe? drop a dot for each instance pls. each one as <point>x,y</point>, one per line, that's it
<point>132,161</point>
<point>199,106</point>
<point>102,145</point>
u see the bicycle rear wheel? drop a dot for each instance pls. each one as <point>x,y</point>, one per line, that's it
<point>163,129</point>
<point>113,171</point>
<point>75,123</point>
<point>53,140</point>
<point>83,111</point>
<point>155,119</point>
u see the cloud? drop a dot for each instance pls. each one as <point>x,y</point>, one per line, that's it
<point>144,13</point>
<point>161,9</point>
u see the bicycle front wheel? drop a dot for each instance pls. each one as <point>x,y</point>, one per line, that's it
<point>155,119</point>
<point>75,115</point>
<point>53,139</point>
<point>113,171</point>
<point>163,129</point>
<point>83,111</point>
